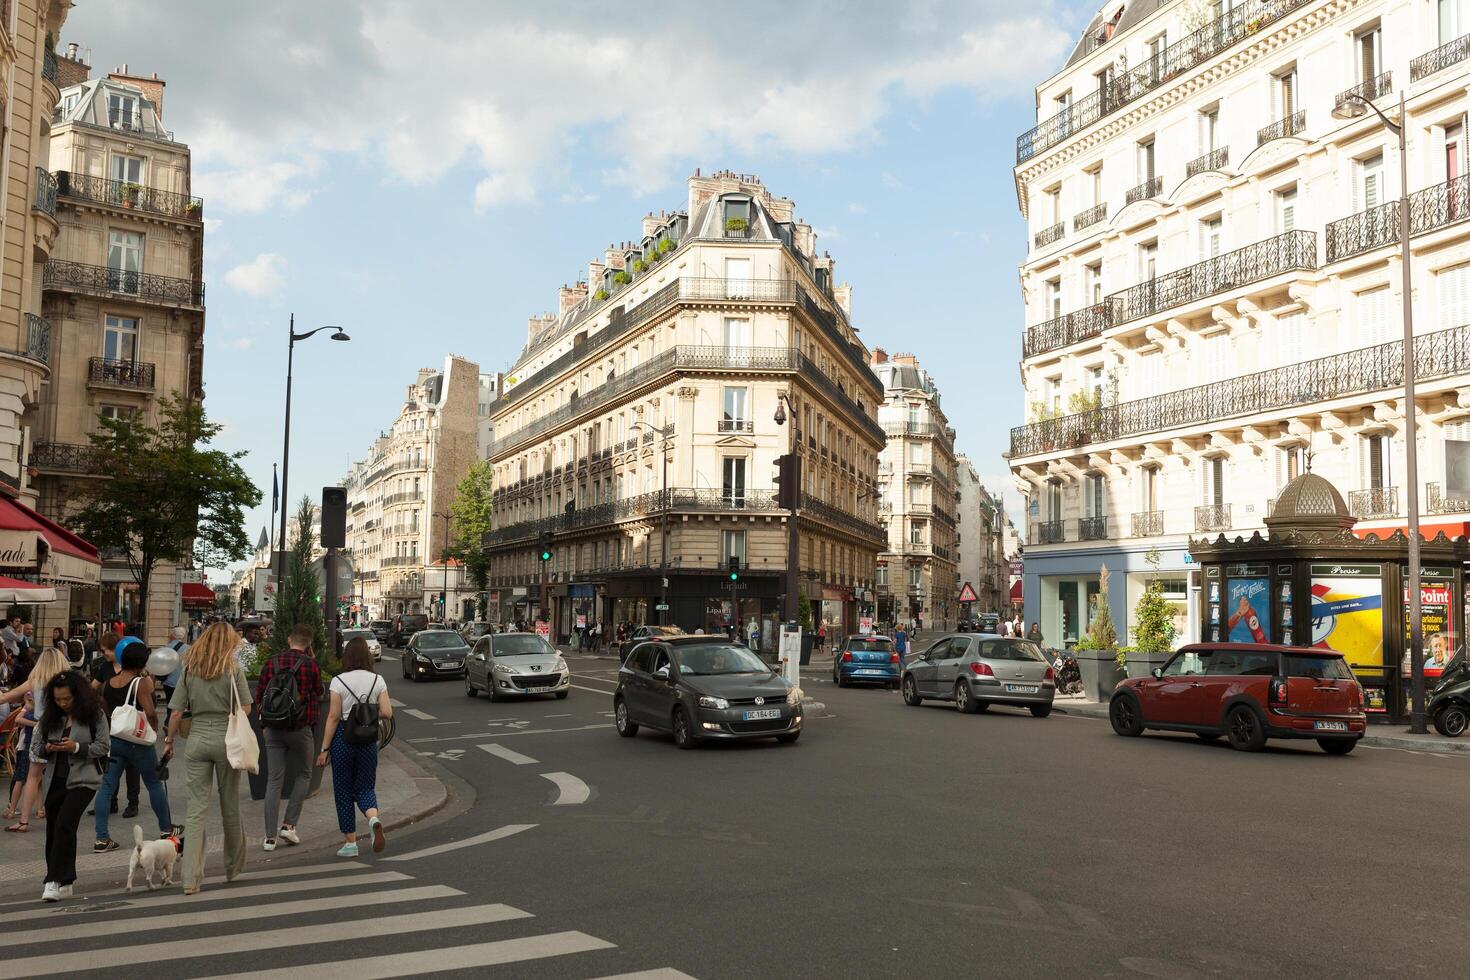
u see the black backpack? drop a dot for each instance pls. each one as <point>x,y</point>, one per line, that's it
<point>280,704</point>
<point>360,726</point>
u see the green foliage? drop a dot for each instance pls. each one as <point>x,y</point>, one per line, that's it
<point>1101,631</point>
<point>166,494</point>
<point>1083,401</point>
<point>471,510</point>
<point>804,612</point>
<point>1153,617</point>
<point>1085,642</point>
<point>1042,412</point>
<point>639,265</point>
<point>297,600</point>
<point>666,246</point>
<point>600,295</point>
<point>735,224</point>
<point>622,278</point>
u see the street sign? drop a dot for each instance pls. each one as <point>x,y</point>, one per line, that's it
<point>661,607</point>
<point>967,594</point>
<point>865,625</point>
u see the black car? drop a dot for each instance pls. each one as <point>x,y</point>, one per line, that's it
<point>405,626</point>
<point>382,630</point>
<point>703,687</point>
<point>642,633</point>
<point>434,653</point>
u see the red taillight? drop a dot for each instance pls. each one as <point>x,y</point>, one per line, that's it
<point>893,658</point>
<point>1050,675</point>
<point>1278,691</point>
<point>847,656</point>
<point>982,669</point>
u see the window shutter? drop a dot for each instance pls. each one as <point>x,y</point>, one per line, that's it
<point>1291,338</point>
<point>1454,296</point>
<point>1373,325</point>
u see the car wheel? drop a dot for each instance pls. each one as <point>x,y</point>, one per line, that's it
<point>626,726</point>
<point>562,695</point>
<point>683,732</point>
<point>911,693</point>
<point>1451,720</point>
<point>404,664</point>
<point>788,738</point>
<point>469,689</point>
<point>843,681</point>
<point>1207,736</point>
<point>1040,710</point>
<point>1244,729</point>
<point>1127,719</point>
<point>963,699</point>
<point>1337,746</point>
<point>494,691</point>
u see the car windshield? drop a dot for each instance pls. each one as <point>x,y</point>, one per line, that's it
<point>719,658</point>
<point>381,624</point>
<point>1326,668</point>
<point>356,635</point>
<point>521,646</point>
<point>882,644</point>
<point>438,641</point>
<point>1012,650</point>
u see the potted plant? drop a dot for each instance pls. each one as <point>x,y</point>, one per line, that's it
<point>665,247</point>
<point>1153,630</point>
<point>192,209</point>
<point>600,295</point>
<point>735,227</point>
<point>1098,657</point>
<point>130,194</point>
<point>639,265</point>
<point>622,278</point>
<point>1254,24</point>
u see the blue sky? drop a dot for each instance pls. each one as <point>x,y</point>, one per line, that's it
<point>428,177</point>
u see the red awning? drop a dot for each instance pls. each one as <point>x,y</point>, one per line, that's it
<point>16,516</point>
<point>196,592</point>
<point>39,546</point>
<point>1016,591</point>
<point>14,590</point>
<point>1428,529</point>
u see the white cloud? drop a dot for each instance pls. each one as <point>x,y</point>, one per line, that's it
<point>260,277</point>
<point>856,208</point>
<point>827,234</point>
<point>237,343</point>
<point>891,181</point>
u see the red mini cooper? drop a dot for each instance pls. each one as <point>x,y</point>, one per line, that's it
<point>1247,693</point>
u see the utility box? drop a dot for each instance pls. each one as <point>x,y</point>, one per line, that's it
<point>790,653</point>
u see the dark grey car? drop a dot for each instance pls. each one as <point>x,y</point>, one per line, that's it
<point>976,670</point>
<point>434,653</point>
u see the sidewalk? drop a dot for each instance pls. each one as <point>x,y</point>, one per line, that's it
<point>1378,736</point>
<point>406,793</point>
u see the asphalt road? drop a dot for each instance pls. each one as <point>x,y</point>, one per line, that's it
<point>889,842</point>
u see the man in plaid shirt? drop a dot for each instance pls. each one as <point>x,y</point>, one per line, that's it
<point>289,751</point>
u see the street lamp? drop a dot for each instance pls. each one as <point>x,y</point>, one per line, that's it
<point>337,334</point>
<point>793,546</point>
<point>1355,106</point>
<point>444,595</point>
<point>664,504</point>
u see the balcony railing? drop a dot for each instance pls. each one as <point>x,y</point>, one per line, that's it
<point>1374,502</point>
<point>1061,331</point>
<point>1440,58</point>
<point>1437,502</point>
<point>1438,206</point>
<point>1293,251</point>
<point>1372,89</point>
<point>920,430</point>
<point>1148,523</point>
<point>79,277</point>
<point>100,190</point>
<point>120,373</point>
<point>399,498</point>
<point>860,527</point>
<point>1119,90</point>
<point>1051,532</point>
<point>1150,188</point>
<point>1092,528</point>
<point>736,425</point>
<point>38,338</point>
<point>1090,217</point>
<point>1287,126</point>
<point>710,500</point>
<point>62,456</point>
<point>1440,354</point>
<point>1212,517</point>
<point>45,192</point>
<point>1216,159</point>
<point>1053,234</point>
<point>48,65</point>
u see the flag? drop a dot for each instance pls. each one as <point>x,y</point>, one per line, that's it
<point>275,490</point>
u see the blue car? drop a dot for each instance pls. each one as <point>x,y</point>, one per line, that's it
<point>866,659</point>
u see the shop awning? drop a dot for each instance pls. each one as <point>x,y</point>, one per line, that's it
<point>38,545</point>
<point>13,590</point>
<point>196,594</point>
<point>1428,529</point>
<point>1016,591</point>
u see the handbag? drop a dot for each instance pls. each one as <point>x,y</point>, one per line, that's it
<point>241,748</point>
<point>130,724</point>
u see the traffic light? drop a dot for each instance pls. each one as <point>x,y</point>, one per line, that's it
<point>545,551</point>
<point>733,563</point>
<point>545,554</point>
<point>788,481</point>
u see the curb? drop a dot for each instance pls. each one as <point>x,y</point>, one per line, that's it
<point>429,788</point>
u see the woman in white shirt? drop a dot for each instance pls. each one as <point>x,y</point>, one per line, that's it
<point>355,757</point>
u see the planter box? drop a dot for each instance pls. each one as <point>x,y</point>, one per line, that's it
<point>1100,673</point>
<point>1143,664</point>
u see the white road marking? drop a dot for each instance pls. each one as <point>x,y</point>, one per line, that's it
<point>594,690</point>
<point>666,973</point>
<point>440,960</point>
<point>558,716</point>
<point>497,834</point>
<point>336,867</point>
<point>420,715</point>
<point>570,790</point>
<point>509,755</point>
<point>396,703</point>
<point>534,731</point>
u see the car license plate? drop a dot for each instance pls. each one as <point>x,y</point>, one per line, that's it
<point>867,671</point>
<point>1330,726</point>
<point>538,690</point>
<point>446,664</point>
<point>763,714</point>
<point>1022,688</point>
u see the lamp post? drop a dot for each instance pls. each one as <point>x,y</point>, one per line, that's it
<point>444,594</point>
<point>337,334</point>
<point>664,506</point>
<point>793,543</point>
<point>1355,106</point>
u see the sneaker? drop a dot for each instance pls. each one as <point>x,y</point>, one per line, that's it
<point>131,811</point>
<point>289,835</point>
<point>379,840</point>
<point>51,893</point>
<point>269,844</point>
<point>345,851</point>
<point>64,891</point>
<point>104,845</point>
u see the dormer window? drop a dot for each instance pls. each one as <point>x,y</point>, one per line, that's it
<point>737,217</point>
<point>123,112</point>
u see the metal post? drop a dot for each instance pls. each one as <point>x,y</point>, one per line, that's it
<point>334,617</point>
<point>1411,447</point>
<point>793,542</point>
<point>663,559</point>
<point>286,456</point>
<point>444,601</point>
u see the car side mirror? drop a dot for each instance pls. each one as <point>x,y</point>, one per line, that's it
<point>662,672</point>
<point>1158,673</point>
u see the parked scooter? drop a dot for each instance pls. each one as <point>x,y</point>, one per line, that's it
<point>1068,674</point>
<point>1449,702</point>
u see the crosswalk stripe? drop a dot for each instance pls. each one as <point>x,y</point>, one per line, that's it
<point>297,871</point>
<point>420,715</point>
<point>570,790</point>
<point>440,960</point>
<point>104,926</point>
<point>251,942</point>
<point>485,838</point>
<point>509,755</point>
<point>225,894</point>
<point>667,973</point>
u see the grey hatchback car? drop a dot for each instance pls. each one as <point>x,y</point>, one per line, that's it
<point>976,670</point>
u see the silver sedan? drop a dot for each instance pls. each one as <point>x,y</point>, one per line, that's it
<point>506,665</point>
<point>976,670</point>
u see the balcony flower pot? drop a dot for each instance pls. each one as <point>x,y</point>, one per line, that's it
<point>665,247</point>
<point>191,210</point>
<point>600,295</point>
<point>622,278</point>
<point>130,194</point>
<point>639,265</point>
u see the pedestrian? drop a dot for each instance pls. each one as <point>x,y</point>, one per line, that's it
<point>288,696</point>
<point>26,725</point>
<point>246,653</point>
<point>48,665</point>
<point>104,669</point>
<point>177,645</point>
<point>204,695</point>
<point>350,740</point>
<point>822,637</point>
<point>74,740</point>
<point>131,685</point>
<point>597,637</point>
<point>1034,633</point>
<point>58,638</point>
<point>900,642</point>
<point>10,635</point>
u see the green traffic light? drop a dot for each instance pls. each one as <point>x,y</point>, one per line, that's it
<point>546,556</point>
<point>734,576</point>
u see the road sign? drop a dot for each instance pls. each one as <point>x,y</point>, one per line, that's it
<point>967,594</point>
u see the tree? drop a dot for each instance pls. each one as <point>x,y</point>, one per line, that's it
<point>1154,615</point>
<point>299,600</point>
<point>471,513</point>
<point>165,493</point>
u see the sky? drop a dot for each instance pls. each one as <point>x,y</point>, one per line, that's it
<point>427,176</point>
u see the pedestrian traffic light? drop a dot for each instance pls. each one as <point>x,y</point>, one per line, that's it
<point>733,563</point>
<point>788,481</point>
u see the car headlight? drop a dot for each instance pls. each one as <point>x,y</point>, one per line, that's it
<point>420,656</point>
<point>561,664</point>
<point>705,701</point>
<point>793,696</point>
<point>501,669</point>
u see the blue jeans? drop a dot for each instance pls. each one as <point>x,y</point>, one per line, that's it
<point>145,760</point>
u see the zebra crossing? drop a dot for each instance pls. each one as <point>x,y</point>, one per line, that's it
<point>308,911</point>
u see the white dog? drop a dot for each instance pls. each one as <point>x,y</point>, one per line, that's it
<point>153,856</point>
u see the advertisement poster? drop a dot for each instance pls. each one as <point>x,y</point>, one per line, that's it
<point>1436,620</point>
<point>265,590</point>
<point>1249,605</point>
<point>865,625</point>
<point>1347,612</point>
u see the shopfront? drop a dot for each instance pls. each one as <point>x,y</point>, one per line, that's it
<point>36,549</point>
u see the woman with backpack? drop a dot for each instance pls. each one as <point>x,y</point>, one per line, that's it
<point>359,699</point>
<point>73,739</point>
<point>212,686</point>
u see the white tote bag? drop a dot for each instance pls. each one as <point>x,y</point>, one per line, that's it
<point>130,724</point>
<point>241,748</point>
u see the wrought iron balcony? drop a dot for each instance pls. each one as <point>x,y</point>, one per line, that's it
<point>1291,125</point>
<point>1374,502</point>
<point>1078,325</point>
<point>706,500</point>
<point>67,456</point>
<point>736,425</point>
<point>1048,235</point>
<point>1092,528</point>
<point>1437,502</point>
<point>860,527</point>
<point>48,65</point>
<point>405,497</point>
<point>1051,532</point>
<point>1432,208</point>
<point>1090,217</point>
<point>1148,523</point>
<point>66,276</point>
<point>1372,89</point>
<point>1150,188</point>
<point>1216,159</point>
<point>1440,58</point>
<point>1441,354</point>
<point>1212,517</point>
<point>1188,52</point>
<point>1293,251</point>
<point>38,338</point>
<point>120,373</point>
<point>45,192</point>
<point>134,197</point>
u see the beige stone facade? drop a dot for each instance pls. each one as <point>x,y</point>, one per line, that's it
<point>980,541</point>
<point>645,405</point>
